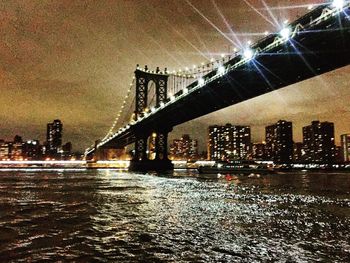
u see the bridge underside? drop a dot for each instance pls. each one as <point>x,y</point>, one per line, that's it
<point>308,54</point>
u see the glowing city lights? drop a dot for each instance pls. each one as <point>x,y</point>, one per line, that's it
<point>248,53</point>
<point>339,4</point>
<point>221,70</point>
<point>285,33</point>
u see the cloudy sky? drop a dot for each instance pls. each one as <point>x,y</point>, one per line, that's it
<point>74,60</point>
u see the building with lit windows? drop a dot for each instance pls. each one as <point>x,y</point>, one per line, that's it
<point>318,141</point>
<point>184,148</point>
<point>279,142</point>
<point>345,147</point>
<point>259,151</point>
<point>32,150</point>
<point>298,152</point>
<point>5,150</point>
<point>229,142</point>
<point>54,137</point>
<point>16,150</point>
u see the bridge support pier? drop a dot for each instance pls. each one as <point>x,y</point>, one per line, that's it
<point>140,162</point>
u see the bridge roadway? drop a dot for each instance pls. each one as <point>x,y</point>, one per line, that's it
<point>321,45</point>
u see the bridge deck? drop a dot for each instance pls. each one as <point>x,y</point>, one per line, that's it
<point>319,47</point>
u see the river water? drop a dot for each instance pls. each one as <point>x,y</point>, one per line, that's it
<point>106,215</point>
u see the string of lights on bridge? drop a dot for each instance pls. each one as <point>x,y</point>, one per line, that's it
<point>245,55</point>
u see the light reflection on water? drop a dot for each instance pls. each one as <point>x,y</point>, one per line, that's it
<point>109,215</point>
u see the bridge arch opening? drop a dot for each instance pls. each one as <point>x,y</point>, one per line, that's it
<point>151,143</point>
<point>151,96</point>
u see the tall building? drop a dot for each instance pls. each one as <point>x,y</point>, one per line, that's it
<point>318,141</point>
<point>229,142</point>
<point>298,152</point>
<point>5,150</point>
<point>259,151</point>
<point>345,147</point>
<point>32,150</point>
<point>184,148</point>
<point>279,142</point>
<point>54,137</point>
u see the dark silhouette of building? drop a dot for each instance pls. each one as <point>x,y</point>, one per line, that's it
<point>279,142</point>
<point>67,151</point>
<point>345,147</point>
<point>318,140</point>
<point>54,138</point>
<point>17,139</point>
<point>32,150</point>
<point>229,142</point>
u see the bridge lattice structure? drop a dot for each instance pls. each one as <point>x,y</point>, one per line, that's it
<point>152,92</point>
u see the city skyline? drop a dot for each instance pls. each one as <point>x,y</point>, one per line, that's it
<point>86,57</point>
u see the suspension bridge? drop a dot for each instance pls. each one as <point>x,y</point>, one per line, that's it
<point>158,100</point>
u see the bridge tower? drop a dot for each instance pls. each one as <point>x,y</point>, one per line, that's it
<point>155,130</point>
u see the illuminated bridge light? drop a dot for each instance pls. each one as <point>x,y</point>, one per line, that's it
<point>285,33</point>
<point>201,82</point>
<point>221,70</point>
<point>172,98</point>
<point>162,104</point>
<point>153,109</point>
<point>185,90</point>
<point>339,4</point>
<point>248,54</point>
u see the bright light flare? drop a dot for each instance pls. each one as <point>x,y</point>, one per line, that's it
<point>285,33</point>
<point>221,70</point>
<point>248,54</point>
<point>339,4</point>
<point>201,82</point>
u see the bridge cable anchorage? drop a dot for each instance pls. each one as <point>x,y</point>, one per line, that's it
<point>185,80</point>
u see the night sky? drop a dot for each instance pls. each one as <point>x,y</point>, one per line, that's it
<point>74,60</point>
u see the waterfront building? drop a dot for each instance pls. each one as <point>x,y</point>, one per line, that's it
<point>279,142</point>
<point>229,142</point>
<point>32,150</point>
<point>5,150</point>
<point>318,142</point>
<point>184,148</point>
<point>54,137</point>
<point>259,151</point>
<point>298,152</point>
<point>345,147</point>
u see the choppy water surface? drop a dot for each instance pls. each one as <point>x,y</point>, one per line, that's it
<point>92,216</point>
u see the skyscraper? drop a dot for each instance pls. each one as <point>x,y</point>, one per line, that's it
<point>279,142</point>
<point>54,137</point>
<point>345,147</point>
<point>318,140</point>
<point>184,148</point>
<point>229,142</point>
